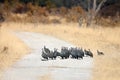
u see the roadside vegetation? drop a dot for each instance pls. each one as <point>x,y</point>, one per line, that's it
<point>39,11</point>
<point>11,49</point>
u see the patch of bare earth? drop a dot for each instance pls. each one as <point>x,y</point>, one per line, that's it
<point>11,49</point>
<point>107,40</point>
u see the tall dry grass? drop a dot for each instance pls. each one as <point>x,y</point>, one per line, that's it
<point>105,39</point>
<point>11,48</point>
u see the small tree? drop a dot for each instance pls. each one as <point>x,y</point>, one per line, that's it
<point>93,9</point>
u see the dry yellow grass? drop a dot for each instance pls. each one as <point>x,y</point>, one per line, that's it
<point>45,77</point>
<point>106,67</point>
<point>11,48</point>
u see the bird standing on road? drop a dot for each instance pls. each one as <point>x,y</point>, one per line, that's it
<point>100,53</point>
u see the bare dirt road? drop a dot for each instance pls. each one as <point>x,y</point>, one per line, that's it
<point>31,67</point>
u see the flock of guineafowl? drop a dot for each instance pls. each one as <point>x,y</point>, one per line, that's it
<point>65,53</point>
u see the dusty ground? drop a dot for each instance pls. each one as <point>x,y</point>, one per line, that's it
<point>11,48</point>
<point>30,67</point>
<point>106,67</point>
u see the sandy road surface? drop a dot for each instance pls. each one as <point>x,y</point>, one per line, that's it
<point>31,67</point>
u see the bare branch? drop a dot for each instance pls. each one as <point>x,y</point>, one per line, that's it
<point>89,1</point>
<point>99,6</point>
<point>94,5</point>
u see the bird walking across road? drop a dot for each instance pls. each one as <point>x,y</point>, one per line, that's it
<point>100,53</point>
